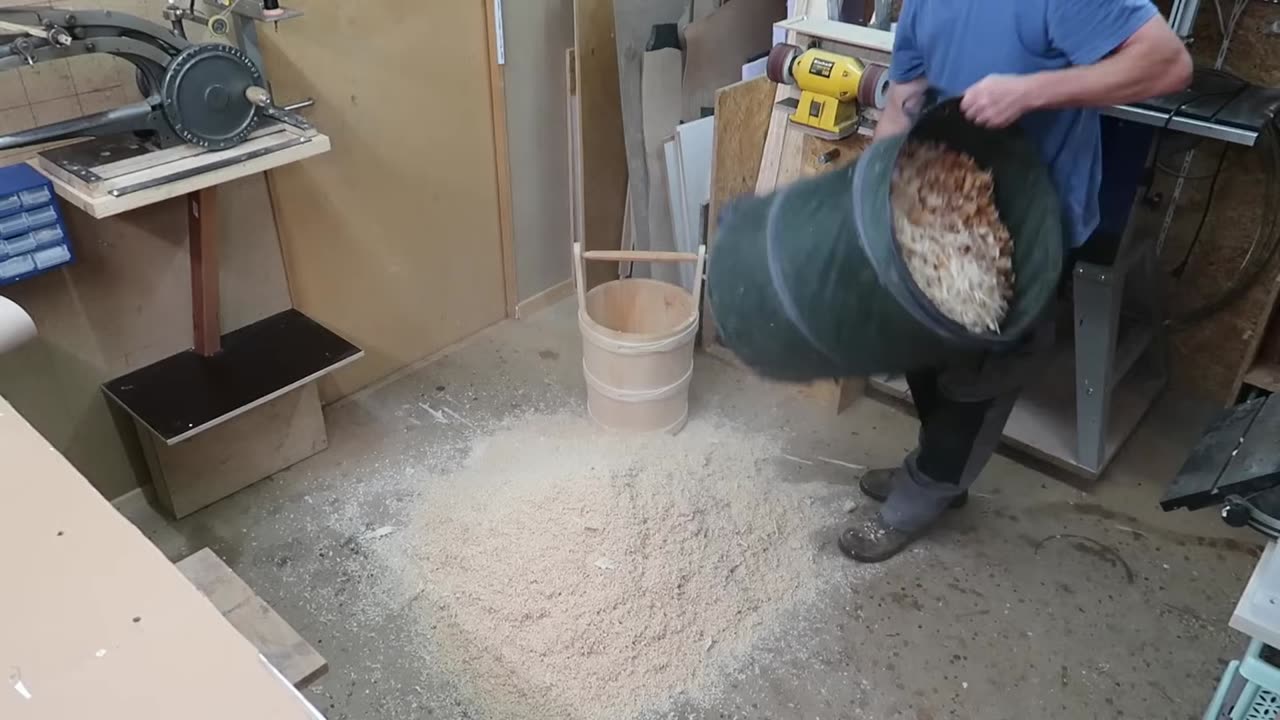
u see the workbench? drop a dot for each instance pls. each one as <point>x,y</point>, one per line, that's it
<point>96,622</point>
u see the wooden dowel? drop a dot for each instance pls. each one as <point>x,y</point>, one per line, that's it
<point>202,230</point>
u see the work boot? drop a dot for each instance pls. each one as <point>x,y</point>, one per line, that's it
<point>869,539</point>
<point>877,484</point>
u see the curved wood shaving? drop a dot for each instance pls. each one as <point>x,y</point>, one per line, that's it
<point>954,244</point>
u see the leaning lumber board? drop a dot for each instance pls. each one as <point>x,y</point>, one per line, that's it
<point>742,121</point>
<point>278,642</point>
<point>604,157</point>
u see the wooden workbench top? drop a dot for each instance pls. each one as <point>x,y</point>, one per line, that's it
<point>96,623</point>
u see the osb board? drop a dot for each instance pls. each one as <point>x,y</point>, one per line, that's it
<point>124,303</point>
<point>604,158</point>
<point>1212,357</point>
<point>101,609</point>
<point>392,239</point>
<point>279,643</point>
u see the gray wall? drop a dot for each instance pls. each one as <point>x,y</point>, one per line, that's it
<point>538,32</point>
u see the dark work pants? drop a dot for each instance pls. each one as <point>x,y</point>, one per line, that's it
<point>963,409</point>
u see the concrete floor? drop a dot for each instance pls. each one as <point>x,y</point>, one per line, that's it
<point>1038,600</point>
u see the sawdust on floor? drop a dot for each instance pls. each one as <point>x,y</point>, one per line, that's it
<point>564,571</point>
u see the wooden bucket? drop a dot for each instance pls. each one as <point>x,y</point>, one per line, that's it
<point>637,343</point>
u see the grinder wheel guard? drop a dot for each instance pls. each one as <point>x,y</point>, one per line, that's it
<point>810,283</point>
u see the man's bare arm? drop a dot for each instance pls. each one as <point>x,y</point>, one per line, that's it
<point>1151,62</point>
<point>894,119</point>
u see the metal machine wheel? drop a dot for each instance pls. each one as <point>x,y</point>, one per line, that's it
<point>204,95</point>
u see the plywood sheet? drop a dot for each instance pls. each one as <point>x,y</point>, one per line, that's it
<point>392,239</point>
<point>278,642</point>
<point>101,610</point>
<point>604,159</point>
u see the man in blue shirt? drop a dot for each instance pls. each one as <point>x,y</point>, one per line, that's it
<point>1045,65</point>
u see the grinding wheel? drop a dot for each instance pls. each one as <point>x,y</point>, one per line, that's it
<point>204,95</point>
<point>778,66</point>
<point>873,90</point>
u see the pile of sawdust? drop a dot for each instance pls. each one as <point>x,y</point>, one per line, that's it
<point>954,244</point>
<point>573,573</point>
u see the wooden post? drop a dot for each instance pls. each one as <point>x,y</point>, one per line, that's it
<point>202,229</point>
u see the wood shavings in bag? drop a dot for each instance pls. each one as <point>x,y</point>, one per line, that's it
<point>950,234</point>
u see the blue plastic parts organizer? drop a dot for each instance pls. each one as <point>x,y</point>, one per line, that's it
<point>33,236</point>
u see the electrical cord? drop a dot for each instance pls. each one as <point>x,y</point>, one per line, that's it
<point>1264,247</point>
<point>1181,268</point>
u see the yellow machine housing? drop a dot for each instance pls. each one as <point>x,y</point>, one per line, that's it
<point>832,87</point>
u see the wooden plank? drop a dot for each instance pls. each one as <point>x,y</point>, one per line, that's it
<point>202,234</point>
<point>404,254</point>
<point>634,21</point>
<point>105,206</point>
<point>717,46</point>
<point>502,160</point>
<point>742,122</point>
<point>675,200</point>
<point>148,160</point>
<point>101,610</point>
<point>278,642</point>
<point>604,158</point>
<point>1265,376</point>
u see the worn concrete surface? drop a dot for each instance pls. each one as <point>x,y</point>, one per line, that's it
<point>1038,600</point>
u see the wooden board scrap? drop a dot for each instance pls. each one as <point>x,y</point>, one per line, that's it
<point>634,21</point>
<point>278,642</point>
<point>604,157</point>
<point>717,46</point>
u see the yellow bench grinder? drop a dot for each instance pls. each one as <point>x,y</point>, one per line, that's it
<point>833,88</point>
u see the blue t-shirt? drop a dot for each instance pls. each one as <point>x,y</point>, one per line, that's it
<point>956,43</point>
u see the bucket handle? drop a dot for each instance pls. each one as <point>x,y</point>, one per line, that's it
<point>651,256</point>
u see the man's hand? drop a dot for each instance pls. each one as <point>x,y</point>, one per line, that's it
<point>893,119</point>
<point>998,101</point>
